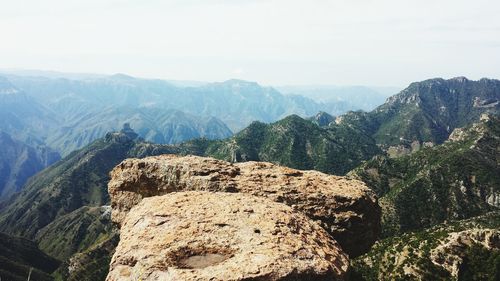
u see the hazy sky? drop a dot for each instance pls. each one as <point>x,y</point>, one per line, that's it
<point>342,42</point>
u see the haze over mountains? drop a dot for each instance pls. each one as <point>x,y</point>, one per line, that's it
<point>351,97</point>
<point>68,113</point>
<point>58,113</point>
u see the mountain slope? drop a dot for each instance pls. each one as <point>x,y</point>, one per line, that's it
<point>428,111</point>
<point>78,180</point>
<point>456,250</point>
<point>60,207</point>
<point>18,256</point>
<point>297,143</point>
<point>18,162</point>
<point>85,226</point>
<point>456,180</point>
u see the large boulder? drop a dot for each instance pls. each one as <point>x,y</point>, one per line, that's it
<point>346,208</point>
<point>198,235</point>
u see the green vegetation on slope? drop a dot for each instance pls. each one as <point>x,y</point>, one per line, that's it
<point>78,180</point>
<point>456,180</point>
<point>75,232</point>
<point>297,143</point>
<point>428,111</point>
<point>409,256</point>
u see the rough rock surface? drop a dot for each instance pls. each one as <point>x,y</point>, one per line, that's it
<point>223,236</point>
<point>347,209</point>
<point>450,253</point>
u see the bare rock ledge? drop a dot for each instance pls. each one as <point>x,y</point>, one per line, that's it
<point>346,208</point>
<point>223,236</point>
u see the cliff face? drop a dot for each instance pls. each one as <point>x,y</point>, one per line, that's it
<point>346,209</point>
<point>223,236</point>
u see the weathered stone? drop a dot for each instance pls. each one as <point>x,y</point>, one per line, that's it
<point>223,236</point>
<point>346,208</point>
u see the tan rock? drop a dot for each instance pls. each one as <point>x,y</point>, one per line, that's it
<point>346,208</point>
<point>223,236</point>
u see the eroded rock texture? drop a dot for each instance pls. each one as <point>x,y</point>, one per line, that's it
<point>347,209</point>
<point>198,235</point>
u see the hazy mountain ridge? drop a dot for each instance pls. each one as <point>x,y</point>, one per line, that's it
<point>237,103</point>
<point>68,114</point>
<point>153,124</point>
<point>22,116</point>
<point>349,97</point>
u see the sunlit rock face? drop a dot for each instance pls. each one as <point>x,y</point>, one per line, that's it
<point>198,235</point>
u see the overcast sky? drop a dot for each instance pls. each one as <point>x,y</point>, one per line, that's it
<point>339,42</point>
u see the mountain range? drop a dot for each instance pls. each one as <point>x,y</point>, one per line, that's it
<point>67,112</point>
<point>443,179</point>
<point>67,115</point>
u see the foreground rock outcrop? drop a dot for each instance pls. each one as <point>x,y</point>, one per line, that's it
<point>223,236</point>
<point>347,209</point>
